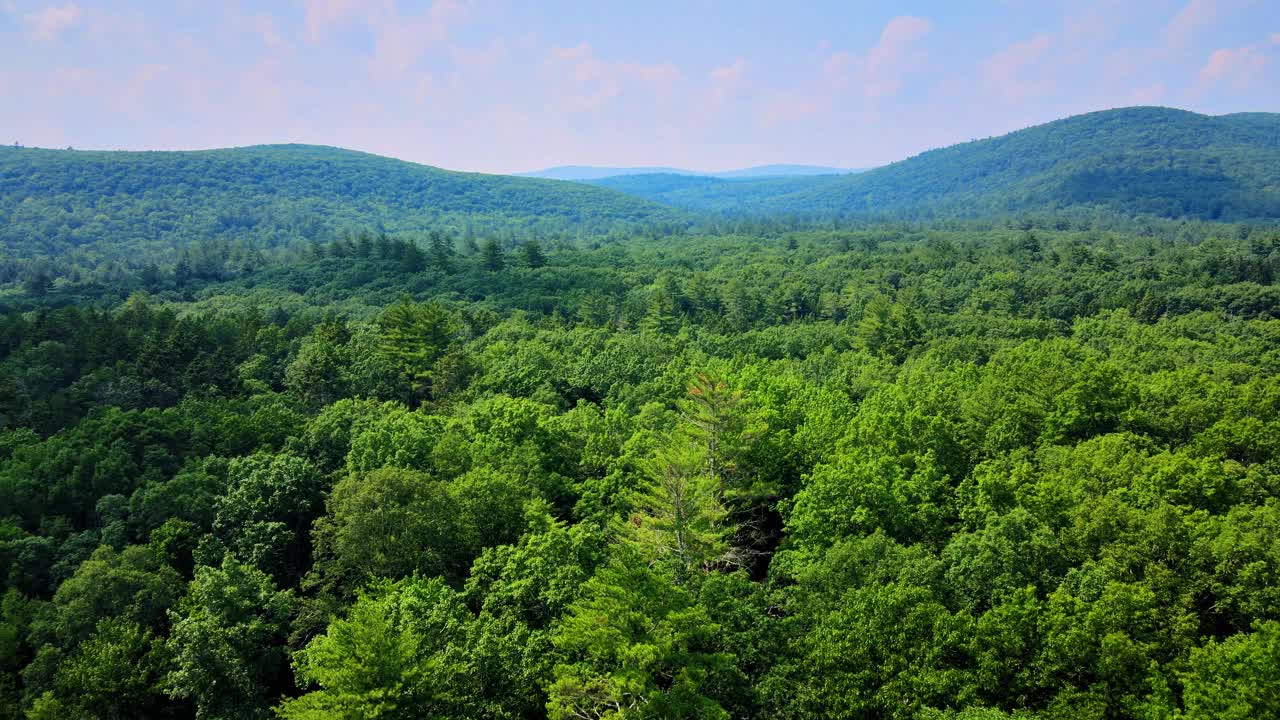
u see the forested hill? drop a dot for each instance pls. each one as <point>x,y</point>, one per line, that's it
<point>52,201</point>
<point>1130,161</point>
<point>716,194</point>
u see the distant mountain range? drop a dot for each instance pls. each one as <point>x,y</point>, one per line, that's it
<point>57,201</point>
<point>1130,161</point>
<point>591,172</point>
<point>1133,161</point>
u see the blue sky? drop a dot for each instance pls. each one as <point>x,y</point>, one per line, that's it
<point>505,86</point>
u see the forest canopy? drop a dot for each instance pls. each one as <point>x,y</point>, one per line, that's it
<point>1026,469</point>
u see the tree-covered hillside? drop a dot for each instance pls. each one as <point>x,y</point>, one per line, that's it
<point>299,433</point>
<point>1132,161</point>
<point>722,196</point>
<point>95,206</point>
<point>1013,472</point>
<point>1149,160</point>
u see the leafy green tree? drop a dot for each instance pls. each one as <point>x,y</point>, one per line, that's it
<point>319,372</point>
<point>134,586</point>
<point>1236,678</point>
<point>38,283</point>
<point>635,645</point>
<point>440,252</point>
<point>391,523</point>
<point>491,256</point>
<point>227,643</point>
<point>888,328</point>
<point>414,336</point>
<point>267,511</point>
<point>114,675</point>
<point>532,254</point>
<point>398,653</point>
<point>884,650</point>
<point>679,520</point>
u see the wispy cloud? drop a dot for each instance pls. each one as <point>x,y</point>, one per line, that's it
<point>48,23</point>
<point>785,107</point>
<point>1236,69</point>
<point>881,71</point>
<point>593,82</point>
<point>399,39</point>
<point>1193,16</point>
<point>727,79</point>
<point>1149,95</point>
<point>320,14</point>
<point>895,55</point>
<point>1006,72</point>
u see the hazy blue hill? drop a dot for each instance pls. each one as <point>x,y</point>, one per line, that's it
<point>1131,161</point>
<point>771,171</point>
<point>588,173</point>
<point>1144,160</point>
<point>593,172</point>
<point>699,192</point>
<point>55,200</point>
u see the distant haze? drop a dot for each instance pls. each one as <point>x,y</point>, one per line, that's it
<point>588,172</point>
<point>511,86</point>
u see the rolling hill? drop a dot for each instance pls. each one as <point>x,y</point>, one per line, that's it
<point>592,172</point>
<point>56,201</point>
<point>703,193</point>
<point>90,207</point>
<point>1145,160</point>
<point>1132,161</point>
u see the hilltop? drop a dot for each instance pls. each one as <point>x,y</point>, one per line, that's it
<point>1144,160</point>
<point>589,173</point>
<point>53,201</point>
<point>1129,161</point>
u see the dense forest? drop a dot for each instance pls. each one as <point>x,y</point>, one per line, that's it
<point>1133,161</point>
<point>68,207</point>
<point>1014,469</point>
<point>89,217</point>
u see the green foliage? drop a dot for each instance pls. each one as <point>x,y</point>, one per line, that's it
<point>414,336</point>
<point>226,645</point>
<point>1139,160</point>
<point>679,520</point>
<point>397,654</point>
<point>636,645</point>
<point>532,254</point>
<point>1236,678</point>
<point>90,206</point>
<point>392,523</point>
<point>1016,469</point>
<point>492,256</point>
<point>266,511</point>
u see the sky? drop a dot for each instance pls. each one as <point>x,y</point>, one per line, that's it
<point>507,86</point>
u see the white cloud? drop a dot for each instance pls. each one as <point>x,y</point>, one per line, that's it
<point>1149,95</point>
<point>399,40</point>
<point>1237,69</point>
<point>48,23</point>
<point>593,83</point>
<point>1195,15</point>
<point>894,56</point>
<point>727,79</point>
<point>1005,72</point>
<point>882,70</point>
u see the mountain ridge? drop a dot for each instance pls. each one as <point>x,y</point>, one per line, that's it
<point>587,173</point>
<point>1139,160</point>
<point>1130,161</point>
<point>56,201</point>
